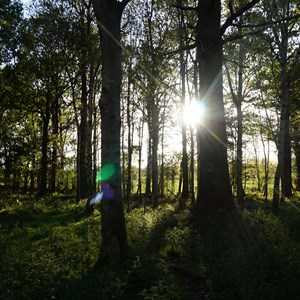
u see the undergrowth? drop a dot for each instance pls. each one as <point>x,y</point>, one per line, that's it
<point>50,250</point>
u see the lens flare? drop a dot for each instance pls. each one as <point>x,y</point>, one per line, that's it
<point>106,190</point>
<point>96,199</point>
<point>105,173</point>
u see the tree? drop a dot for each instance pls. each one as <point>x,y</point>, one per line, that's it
<point>237,96</point>
<point>214,191</point>
<point>114,237</point>
<point>184,163</point>
<point>10,22</point>
<point>282,36</point>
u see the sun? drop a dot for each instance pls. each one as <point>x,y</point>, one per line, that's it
<point>193,112</point>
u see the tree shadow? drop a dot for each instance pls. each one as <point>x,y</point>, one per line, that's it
<point>243,260</point>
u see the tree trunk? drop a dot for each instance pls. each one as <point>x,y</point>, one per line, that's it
<point>83,136</point>
<point>297,156</point>
<point>95,147</point>
<point>192,166</point>
<point>149,164</point>
<point>239,149</point>
<point>280,166</point>
<point>266,165</point>
<point>129,141</point>
<point>276,191</point>
<point>90,117</point>
<point>90,188</point>
<point>113,230</point>
<point>162,166</point>
<point>184,163</point>
<point>45,139</point>
<point>214,190</point>
<point>32,174</point>
<point>55,126</point>
<point>140,135</point>
<point>257,171</point>
<point>155,138</point>
<point>285,113</point>
<point>283,170</point>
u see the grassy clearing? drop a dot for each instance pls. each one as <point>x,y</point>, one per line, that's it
<point>49,250</point>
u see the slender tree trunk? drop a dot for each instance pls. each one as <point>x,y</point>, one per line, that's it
<point>83,137</point>
<point>149,164</point>
<point>214,190</point>
<point>162,166</point>
<point>257,167</point>
<point>123,153</point>
<point>280,165</point>
<point>78,176</point>
<point>296,148</point>
<point>184,163</point>
<point>276,191</point>
<point>155,139</point>
<point>113,230</point>
<point>192,166</point>
<point>55,126</point>
<point>140,134</point>
<point>240,191</point>
<point>32,175</point>
<point>45,140</point>
<point>266,165</point>
<point>90,189</point>
<point>8,167</point>
<point>297,156</point>
<point>129,141</point>
<point>95,148</point>
<point>26,177</point>
<point>90,115</point>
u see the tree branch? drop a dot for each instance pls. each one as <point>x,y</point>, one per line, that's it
<point>267,23</point>
<point>187,47</point>
<point>183,7</point>
<point>235,15</point>
<point>124,3</point>
<point>239,36</point>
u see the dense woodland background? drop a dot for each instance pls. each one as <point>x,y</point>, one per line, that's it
<point>101,91</point>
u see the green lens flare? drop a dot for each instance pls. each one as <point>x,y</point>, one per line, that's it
<point>106,172</point>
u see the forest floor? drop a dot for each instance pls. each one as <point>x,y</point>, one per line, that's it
<point>50,250</point>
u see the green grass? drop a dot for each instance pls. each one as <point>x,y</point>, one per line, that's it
<point>49,250</point>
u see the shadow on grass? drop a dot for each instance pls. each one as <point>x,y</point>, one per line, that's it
<point>173,255</point>
<point>250,256</point>
<point>156,268</point>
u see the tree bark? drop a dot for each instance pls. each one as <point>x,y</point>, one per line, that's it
<point>184,163</point>
<point>55,126</point>
<point>214,190</point>
<point>113,230</point>
<point>297,157</point>
<point>45,140</point>
<point>140,135</point>
<point>83,136</point>
<point>239,148</point>
<point>129,139</point>
<point>155,139</point>
<point>91,84</point>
